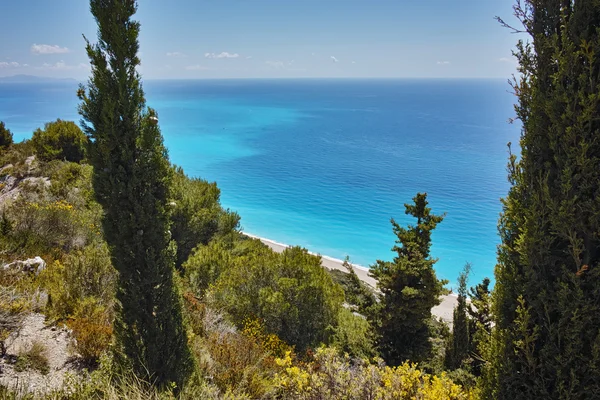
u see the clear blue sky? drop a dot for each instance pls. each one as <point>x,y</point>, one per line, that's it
<point>272,38</point>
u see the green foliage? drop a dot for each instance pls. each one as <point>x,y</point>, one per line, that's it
<point>45,226</point>
<point>34,358</point>
<point>197,215</point>
<point>72,182</point>
<point>84,274</point>
<point>238,364</point>
<point>16,155</point>
<point>52,215</point>
<point>132,181</point>
<point>546,302</point>
<point>92,329</point>
<point>409,289</point>
<point>6,225</point>
<point>480,324</point>
<point>6,137</point>
<point>60,140</point>
<point>354,336</point>
<point>290,292</point>
<point>440,341</point>
<point>460,343</point>
<point>357,293</point>
<point>206,263</point>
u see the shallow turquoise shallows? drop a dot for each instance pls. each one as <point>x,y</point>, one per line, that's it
<point>325,164</point>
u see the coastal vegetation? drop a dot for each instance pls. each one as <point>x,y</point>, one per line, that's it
<point>6,137</point>
<point>60,140</point>
<point>409,289</point>
<point>546,303</point>
<point>164,297</point>
<point>132,182</point>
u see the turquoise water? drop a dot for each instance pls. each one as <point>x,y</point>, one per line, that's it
<point>326,163</point>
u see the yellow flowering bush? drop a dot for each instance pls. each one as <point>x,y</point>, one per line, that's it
<point>331,376</point>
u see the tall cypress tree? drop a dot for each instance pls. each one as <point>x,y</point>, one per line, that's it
<point>132,183</point>
<point>546,303</point>
<point>409,288</point>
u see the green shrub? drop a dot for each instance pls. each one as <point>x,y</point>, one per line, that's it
<point>34,358</point>
<point>72,182</point>
<point>290,292</point>
<point>83,274</point>
<point>92,329</point>
<point>354,336</point>
<point>6,137</point>
<point>17,155</point>
<point>205,265</point>
<point>45,226</point>
<point>197,214</point>
<point>60,140</point>
<point>330,376</point>
<point>238,363</point>
<point>357,293</point>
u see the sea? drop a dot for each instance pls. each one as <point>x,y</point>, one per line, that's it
<point>326,163</point>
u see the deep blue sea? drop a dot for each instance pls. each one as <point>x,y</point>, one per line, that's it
<point>325,163</point>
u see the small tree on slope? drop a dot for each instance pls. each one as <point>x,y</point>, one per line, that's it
<point>409,288</point>
<point>132,181</point>
<point>459,346</point>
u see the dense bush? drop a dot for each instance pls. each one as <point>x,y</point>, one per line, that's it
<point>330,376</point>
<point>354,336</point>
<point>92,329</point>
<point>357,293</point>
<point>72,182</point>
<point>60,140</point>
<point>290,292</point>
<point>84,274</point>
<point>51,217</point>
<point>197,214</point>
<point>206,263</point>
<point>46,227</point>
<point>6,137</point>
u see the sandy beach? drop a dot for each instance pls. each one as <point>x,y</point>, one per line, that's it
<point>444,310</point>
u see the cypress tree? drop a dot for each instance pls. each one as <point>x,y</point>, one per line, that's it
<point>132,178</point>
<point>459,348</point>
<point>409,288</point>
<point>480,325</point>
<point>546,303</point>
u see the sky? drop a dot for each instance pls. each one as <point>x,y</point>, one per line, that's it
<point>183,39</point>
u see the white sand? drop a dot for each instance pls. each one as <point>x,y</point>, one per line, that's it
<point>444,310</point>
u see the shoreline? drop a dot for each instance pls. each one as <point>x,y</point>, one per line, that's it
<point>444,310</point>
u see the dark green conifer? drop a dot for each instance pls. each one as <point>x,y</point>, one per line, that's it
<point>132,180</point>
<point>546,303</point>
<point>409,288</point>
<point>480,325</point>
<point>6,137</point>
<point>459,349</point>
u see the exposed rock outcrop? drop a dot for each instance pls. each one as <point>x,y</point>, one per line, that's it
<point>31,265</point>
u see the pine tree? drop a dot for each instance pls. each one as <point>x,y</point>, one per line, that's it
<point>459,349</point>
<point>409,288</point>
<point>132,183</point>
<point>546,303</point>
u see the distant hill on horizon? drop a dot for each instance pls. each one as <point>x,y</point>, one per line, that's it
<point>32,78</point>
